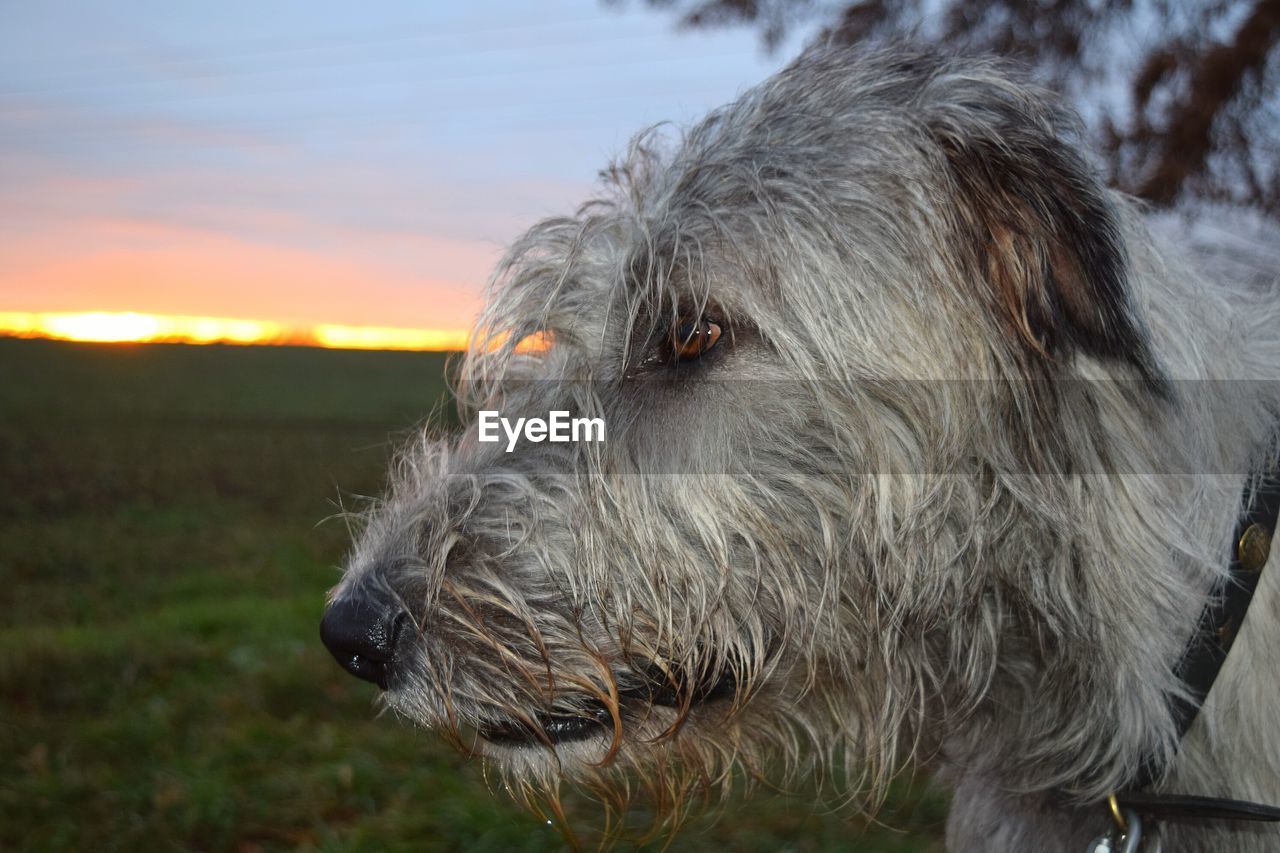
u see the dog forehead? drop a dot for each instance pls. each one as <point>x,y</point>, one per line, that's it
<point>818,187</point>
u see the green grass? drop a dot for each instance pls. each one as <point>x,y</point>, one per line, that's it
<point>164,558</point>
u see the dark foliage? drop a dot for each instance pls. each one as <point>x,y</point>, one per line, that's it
<point>1183,99</point>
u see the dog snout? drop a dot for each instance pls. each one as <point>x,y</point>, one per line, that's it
<point>361,632</point>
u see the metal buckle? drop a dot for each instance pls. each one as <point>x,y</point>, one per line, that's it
<point>1125,837</point>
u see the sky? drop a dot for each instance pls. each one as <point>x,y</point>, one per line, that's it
<point>317,162</point>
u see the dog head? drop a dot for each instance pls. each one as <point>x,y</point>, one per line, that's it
<point>825,330</point>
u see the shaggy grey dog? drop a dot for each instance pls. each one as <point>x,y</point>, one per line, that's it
<point>921,446</point>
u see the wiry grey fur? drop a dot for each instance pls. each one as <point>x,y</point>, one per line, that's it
<point>954,485</point>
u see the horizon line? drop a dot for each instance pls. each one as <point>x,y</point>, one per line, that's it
<point>137,327</point>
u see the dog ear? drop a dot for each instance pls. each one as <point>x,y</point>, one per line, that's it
<point>1040,230</point>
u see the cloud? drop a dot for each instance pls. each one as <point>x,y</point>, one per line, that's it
<point>317,165</point>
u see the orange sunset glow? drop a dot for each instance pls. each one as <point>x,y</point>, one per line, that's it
<point>134,327</point>
<point>334,180</point>
<point>140,281</point>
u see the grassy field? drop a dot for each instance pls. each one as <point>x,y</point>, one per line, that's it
<point>164,558</point>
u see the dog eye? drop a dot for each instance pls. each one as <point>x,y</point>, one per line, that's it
<point>692,339</point>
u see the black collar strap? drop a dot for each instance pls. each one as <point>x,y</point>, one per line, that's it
<point>1177,807</point>
<point>1205,654</point>
<point>1222,617</point>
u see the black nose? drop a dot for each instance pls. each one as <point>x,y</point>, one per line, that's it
<point>361,632</point>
